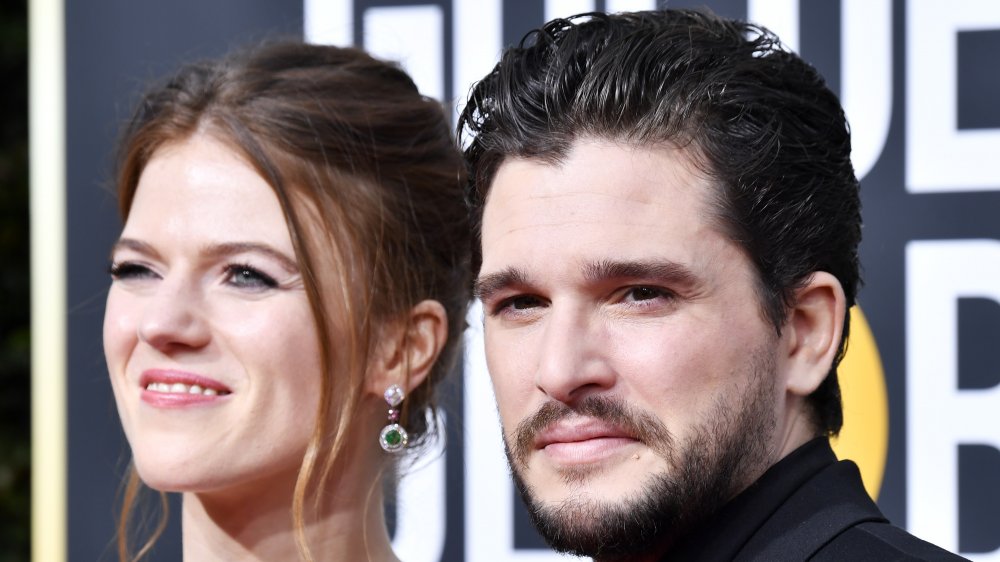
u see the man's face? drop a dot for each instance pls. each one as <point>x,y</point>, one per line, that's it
<point>634,372</point>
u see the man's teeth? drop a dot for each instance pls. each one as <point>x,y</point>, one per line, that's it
<point>181,388</point>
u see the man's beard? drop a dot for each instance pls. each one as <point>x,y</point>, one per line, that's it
<point>725,453</point>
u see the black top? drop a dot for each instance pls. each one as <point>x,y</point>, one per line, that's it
<point>808,506</point>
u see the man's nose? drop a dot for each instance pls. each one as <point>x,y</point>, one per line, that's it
<point>573,359</point>
<point>173,318</point>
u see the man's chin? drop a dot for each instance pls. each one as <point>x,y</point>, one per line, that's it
<point>606,481</point>
<point>600,518</point>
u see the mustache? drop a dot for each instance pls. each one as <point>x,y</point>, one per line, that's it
<point>642,425</point>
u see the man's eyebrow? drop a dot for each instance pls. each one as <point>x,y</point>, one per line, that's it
<point>213,250</point>
<point>664,270</point>
<point>491,283</point>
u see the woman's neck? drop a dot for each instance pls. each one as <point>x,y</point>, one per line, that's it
<point>255,523</point>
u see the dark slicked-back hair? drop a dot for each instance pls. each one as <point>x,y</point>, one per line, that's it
<point>757,120</point>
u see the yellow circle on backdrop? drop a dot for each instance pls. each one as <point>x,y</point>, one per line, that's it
<point>865,435</point>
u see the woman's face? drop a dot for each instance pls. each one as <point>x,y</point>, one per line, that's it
<point>209,338</point>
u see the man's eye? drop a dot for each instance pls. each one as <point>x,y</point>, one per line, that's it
<point>523,303</point>
<point>639,294</point>
<point>518,304</point>
<point>246,277</point>
<point>123,271</point>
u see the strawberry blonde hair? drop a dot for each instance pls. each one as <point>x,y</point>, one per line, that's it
<point>370,182</point>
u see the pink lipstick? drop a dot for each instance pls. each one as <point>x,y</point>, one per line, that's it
<point>164,388</point>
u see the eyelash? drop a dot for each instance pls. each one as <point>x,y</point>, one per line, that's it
<point>129,270</point>
<point>656,292</point>
<point>260,279</point>
<point>253,277</point>
<point>506,306</point>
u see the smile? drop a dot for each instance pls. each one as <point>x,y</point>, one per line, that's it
<point>165,388</point>
<point>181,388</point>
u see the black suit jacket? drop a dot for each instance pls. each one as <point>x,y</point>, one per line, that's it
<point>808,506</point>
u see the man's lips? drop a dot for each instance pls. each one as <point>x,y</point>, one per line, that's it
<point>594,428</point>
<point>582,441</point>
<point>569,431</point>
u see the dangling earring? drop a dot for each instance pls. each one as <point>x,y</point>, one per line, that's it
<point>393,437</point>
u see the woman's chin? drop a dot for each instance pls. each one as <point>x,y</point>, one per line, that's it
<point>186,475</point>
<point>164,482</point>
<point>219,479</point>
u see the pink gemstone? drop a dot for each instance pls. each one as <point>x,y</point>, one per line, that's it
<point>394,395</point>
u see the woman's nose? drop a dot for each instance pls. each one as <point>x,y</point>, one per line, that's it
<point>173,318</point>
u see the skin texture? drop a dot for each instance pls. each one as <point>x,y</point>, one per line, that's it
<point>604,278</point>
<point>192,308</point>
<point>206,284</point>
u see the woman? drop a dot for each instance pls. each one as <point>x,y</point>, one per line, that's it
<point>289,287</point>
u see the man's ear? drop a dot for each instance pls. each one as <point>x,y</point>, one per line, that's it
<point>407,349</point>
<point>813,331</point>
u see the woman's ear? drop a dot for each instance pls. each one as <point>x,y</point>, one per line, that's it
<point>813,330</point>
<point>408,349</point>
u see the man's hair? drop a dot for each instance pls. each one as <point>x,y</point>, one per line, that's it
<point>757,120</point>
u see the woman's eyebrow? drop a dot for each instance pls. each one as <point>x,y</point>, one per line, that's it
<point>230,248</point>
<point>217,250</point>
<point>134,245</point>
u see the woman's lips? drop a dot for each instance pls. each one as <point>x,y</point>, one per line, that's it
<point>165,388</point>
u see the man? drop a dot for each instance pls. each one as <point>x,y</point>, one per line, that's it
<point>669,224</point>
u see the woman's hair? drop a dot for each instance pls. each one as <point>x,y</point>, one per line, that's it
<point>370,183</point>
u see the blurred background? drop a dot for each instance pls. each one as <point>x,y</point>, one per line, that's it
<point>15,380</point>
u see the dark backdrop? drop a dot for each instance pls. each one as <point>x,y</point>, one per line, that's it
<point>115,46</point>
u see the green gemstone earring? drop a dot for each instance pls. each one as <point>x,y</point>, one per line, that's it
<point>393,437</point>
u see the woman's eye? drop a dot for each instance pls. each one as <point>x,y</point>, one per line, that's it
<point>122,271</point>
<point>246,277</point>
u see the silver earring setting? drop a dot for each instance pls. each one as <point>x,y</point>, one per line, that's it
<point>393,437</point>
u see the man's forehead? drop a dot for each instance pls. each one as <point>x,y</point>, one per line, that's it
<point>600,187</point>
<point>602,167</point>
